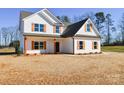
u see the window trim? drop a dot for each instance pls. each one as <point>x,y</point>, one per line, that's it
<point>88,27</point>
<point>95,45</point>
<point>39,27</point>
<point>39,46</point>
<point>83,45</point>
<point>58,29</point>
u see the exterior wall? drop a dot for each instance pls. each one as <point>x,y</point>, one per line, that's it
<point>49,45</point>
<point>82,30</point>
<point>37,19</point>
<point>67,45</point>
<point>22,43</point>
<point>88,45</point>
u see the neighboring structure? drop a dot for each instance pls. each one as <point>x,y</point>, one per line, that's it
<point>42,32</point>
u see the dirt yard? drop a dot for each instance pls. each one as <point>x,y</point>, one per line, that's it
<point>106,68</point>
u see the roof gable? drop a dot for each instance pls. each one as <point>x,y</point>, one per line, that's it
<point>46,14</point>
<point>72,29</point>
<point>24,14</point>
<point>77,29</point>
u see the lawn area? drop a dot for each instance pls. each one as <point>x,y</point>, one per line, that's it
<point>105,68</point>
<point>6,50</point>
<point>113,48</point>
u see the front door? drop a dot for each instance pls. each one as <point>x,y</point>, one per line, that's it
<point>57,47</point>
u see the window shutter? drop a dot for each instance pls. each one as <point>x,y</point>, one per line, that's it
<point>44,44</point>
<point>85,27</point>
<point>32,45</point>
<point>97,45</point>
<point>44,27</point>
<point>77,44</point>
<point>32,27</point>
<point>83,44</point>
<point>54,29</point>
<point>90,27</point>
<point>92,45</point>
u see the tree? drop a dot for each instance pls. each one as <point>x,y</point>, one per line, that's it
<point>65,19</point>
<point>100,19</point>
<point>58,17</point>
<point>83,16</point>
<point>121,26</point>
<point>11,32</point>
<point>110,27</point>
<point>4,34</point>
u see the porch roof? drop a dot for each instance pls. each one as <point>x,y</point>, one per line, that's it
<point>41,35</point>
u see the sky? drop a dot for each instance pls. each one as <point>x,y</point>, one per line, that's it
<point>10,16</point>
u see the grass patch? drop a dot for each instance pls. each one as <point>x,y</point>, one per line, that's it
<point>113,48</point>
<point>7,50</point>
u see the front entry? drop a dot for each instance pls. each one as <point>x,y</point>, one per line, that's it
<point>56,47</point>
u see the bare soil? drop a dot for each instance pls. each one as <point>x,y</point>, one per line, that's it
<point>65,69</point>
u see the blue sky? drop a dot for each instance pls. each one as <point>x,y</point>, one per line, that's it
<point>10,16</point>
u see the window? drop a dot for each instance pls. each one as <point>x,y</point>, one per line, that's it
<point>36,45</point>
<point>38,27</point>
<point>39,45</point>
<point>57,29</point>
<point>81,44</point>
<point>88,27</point>
<point>95,45</point>
<point>41,27</point>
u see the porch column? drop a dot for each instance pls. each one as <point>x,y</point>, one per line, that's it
<point>25,45</point>
<point>54,44</point>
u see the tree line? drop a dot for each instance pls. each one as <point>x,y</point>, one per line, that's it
<point>110,33</point>
<point>9,35</point>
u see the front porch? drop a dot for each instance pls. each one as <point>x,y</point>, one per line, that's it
<point>42,45</point>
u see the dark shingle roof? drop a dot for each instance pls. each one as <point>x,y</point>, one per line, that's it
<point>72,29</point>
<point>24,14</point>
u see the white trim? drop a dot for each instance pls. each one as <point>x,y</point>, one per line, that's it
<point>96,30</point>
<point>31,15</point>
<point>53,15</point>
<point>43,11</point>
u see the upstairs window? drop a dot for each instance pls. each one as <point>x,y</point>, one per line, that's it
<point>38,28</point>
<point>88,27</point>
<point>57,29</point>
<point>41,27</point>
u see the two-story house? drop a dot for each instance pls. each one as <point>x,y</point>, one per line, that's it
<point>42,32</point>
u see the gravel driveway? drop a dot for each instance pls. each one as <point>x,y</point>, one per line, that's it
<point>105,68</point>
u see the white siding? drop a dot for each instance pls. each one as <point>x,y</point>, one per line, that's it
<point>82,30</point>
<point>67,45</point>
<point>88,45</point>
<point>37,19</point>
<point>49,45</point>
